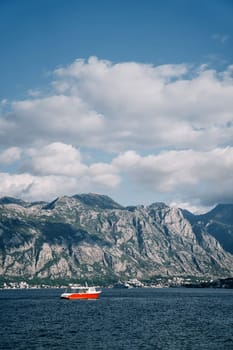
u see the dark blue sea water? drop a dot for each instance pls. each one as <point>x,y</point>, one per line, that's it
<point>121,319</point>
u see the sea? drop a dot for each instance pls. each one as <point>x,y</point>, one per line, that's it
<point>138,318</point>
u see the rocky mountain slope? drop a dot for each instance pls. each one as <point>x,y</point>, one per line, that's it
<point>91,235</point>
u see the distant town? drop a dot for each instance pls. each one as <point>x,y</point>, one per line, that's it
<point>173,282</point>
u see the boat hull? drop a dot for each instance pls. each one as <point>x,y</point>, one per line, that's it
<point>73,296</point>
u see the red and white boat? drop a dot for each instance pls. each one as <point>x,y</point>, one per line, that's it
<point>77,292</point>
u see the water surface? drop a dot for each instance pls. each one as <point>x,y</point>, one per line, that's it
<point>121,319</point>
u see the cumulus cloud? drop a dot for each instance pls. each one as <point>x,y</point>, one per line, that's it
<point>30,187</point>
<point>61,159</point>
<point>162,127</point>
<point>192,177</point>
<point>47,187</point>
<point>129,105</point>
<point>10,155</point>
<point>52,170</point>
<point>198,176</point>
<point>54,118</point>
<point>154,106</point>
<point>56,159</point>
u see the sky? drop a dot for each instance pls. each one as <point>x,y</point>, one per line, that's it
<point>131,99</point>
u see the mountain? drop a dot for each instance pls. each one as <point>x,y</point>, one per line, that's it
<point>11,200</point>
<point>218,223</point>
<point>92,236</point>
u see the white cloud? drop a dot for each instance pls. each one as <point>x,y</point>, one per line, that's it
<point>197,178</point>
<point>31,187</point>
<point>55,117</point>
<point>65,160</point>
<point>104,174</point>
<point>188,175</point>
<point>143,105</point>
<point>10,155</point>
<point>56,159</point>
<point>195,207</point>
<point>177,121</point>
<point>62,159</point>
<point>116,107</point>
<point>53,170</point>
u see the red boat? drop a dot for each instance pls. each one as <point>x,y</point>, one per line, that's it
<point>76,292</point>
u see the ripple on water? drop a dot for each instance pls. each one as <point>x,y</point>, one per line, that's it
<point>130,319</point>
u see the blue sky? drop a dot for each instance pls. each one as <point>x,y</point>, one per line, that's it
<point>130,99</point>
<point>39,35</point>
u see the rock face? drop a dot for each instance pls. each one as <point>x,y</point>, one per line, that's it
<point>91,235</point>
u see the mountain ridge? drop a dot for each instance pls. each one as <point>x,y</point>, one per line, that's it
<point>90,235</point>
